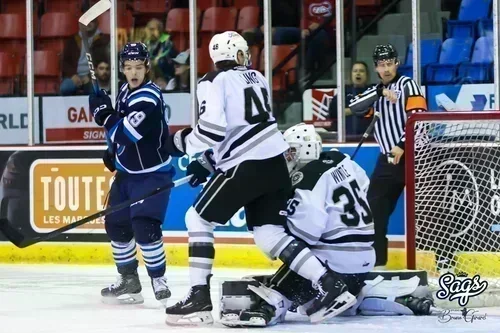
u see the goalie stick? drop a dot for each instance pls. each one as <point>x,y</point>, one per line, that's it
<point>21,241</point>
<point>90,15</point>
<point>367,133</point>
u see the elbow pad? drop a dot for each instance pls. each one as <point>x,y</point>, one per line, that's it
<point>361,104</point>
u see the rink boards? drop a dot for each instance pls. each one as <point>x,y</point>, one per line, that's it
<point>44,188</point>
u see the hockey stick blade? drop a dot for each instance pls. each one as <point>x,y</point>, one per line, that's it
<point>19,240</point>
<point>94,12</point>
<point>367,133</point>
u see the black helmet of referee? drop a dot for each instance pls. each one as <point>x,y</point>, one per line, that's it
<point>384,52</point>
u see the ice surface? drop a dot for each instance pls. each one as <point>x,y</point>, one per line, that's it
<point>66,299</point>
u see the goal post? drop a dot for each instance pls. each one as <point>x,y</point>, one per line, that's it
<point>453,194</point>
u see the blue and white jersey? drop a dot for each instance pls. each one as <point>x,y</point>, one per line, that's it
<point>139,129</point>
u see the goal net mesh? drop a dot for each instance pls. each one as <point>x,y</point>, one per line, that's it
<point>456,197</point>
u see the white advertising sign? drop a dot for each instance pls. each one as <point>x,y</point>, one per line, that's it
<point>69,120</point>
<point>316,103</point>
<point>14,121</point>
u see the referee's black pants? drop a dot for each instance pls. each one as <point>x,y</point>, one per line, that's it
<point>386,185</point>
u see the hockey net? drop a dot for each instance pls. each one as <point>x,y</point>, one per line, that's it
<point>453,196</point>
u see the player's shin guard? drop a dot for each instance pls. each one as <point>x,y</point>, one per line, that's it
<point>201,247</point>
<point>155,262</point>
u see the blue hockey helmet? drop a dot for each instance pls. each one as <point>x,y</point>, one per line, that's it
<point>134,51</point>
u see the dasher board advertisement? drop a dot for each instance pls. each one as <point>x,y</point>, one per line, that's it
<point>68,119</point>
<point>14,121</point>
<point>45,188</point>
<point>466,97</point>
<point>63,191</point>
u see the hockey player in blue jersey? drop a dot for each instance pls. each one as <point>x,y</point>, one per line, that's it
<point>136,131</point>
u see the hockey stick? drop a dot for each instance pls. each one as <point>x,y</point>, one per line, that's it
<point>19,240</point>
<point>90,15</point>
<point>367,133</point>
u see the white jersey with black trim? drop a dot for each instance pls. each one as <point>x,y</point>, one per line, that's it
<point>235,119</point>
<point>330,212</point>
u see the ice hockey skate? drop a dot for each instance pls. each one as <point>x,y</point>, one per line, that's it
<point>160,289</point>
<point>194,309</point>
<point>126,290</point>
<point>332,299</point>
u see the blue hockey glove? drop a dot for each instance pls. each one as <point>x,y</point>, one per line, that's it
<point>101,106</point>
<point>176,143</point>
<point>201,169</point>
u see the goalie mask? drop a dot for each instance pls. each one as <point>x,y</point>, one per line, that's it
<point>305,146</point>
<point>225,47</point>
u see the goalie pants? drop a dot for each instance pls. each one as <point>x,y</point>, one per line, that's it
<point>387,182</point>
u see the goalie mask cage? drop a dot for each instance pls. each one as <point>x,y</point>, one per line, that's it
<point>453,194</point>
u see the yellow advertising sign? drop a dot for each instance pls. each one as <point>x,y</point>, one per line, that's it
<point>63,191</point>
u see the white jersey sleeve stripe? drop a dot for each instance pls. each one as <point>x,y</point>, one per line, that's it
<point>212,126</point>
<point>216,134</point>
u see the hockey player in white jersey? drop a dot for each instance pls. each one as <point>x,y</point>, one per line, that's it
<point>329,211</point>
<point>250,171</point>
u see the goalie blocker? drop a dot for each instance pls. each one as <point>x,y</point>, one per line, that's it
<point>258,301</point>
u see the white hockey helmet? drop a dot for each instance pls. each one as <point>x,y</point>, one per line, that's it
<point>305,145</point>
<point>225,46</point>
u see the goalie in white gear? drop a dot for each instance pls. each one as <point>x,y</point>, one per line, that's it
<point>328,211</point>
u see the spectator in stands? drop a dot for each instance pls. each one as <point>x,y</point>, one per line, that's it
<point>103,74</point>
<point>161,49</point>
<point>181,80</point>
<point>75,69</point>
<point>289,28</point>
<point>359,83</point>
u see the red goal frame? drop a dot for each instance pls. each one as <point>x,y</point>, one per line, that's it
<point>410,165</point>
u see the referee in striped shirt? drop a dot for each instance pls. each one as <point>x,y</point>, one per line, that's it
<point>395,97</point>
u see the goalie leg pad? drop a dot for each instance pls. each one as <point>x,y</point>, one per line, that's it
<point>387,295</point>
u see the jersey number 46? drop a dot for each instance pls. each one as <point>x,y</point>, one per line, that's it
<point>263,108</point>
